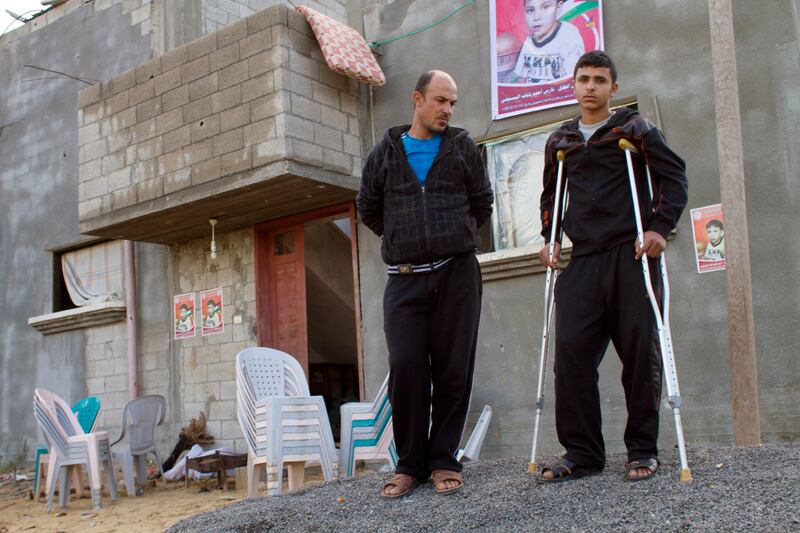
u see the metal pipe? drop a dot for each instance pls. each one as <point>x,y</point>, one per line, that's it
<point>131,318</point>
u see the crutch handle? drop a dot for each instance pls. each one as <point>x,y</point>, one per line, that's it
<point>625,144</point>
<point>560,155</point>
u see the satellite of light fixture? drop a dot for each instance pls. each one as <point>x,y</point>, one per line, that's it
<point>213,222</point>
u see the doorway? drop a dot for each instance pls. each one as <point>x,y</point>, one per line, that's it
<point>308,301</point>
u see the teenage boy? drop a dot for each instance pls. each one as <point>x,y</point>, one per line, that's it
<point>601,295</point>
<point>425,190</point>
<point>552,48</point>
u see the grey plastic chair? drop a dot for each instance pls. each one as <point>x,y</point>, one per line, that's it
<point>139,420</point>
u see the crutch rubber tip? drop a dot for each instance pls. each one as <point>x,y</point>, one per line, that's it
<point>533,468</point>
<point>686,475</point>
<point>625,144</point>
<point>560,155</point>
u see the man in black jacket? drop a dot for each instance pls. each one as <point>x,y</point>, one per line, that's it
<point>425,191</point>
<point>601,295</point>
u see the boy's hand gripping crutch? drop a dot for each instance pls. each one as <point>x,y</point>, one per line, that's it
<point>662,317</point>
<point>559,205</point>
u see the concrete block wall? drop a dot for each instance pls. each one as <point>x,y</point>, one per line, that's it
<point>207,364</point>
<point>216,14</point>
<point>255,92</point>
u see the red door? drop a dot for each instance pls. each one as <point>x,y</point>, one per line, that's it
<point>284,327</point>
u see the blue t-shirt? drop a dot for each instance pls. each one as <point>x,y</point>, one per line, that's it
<point>421,153</point>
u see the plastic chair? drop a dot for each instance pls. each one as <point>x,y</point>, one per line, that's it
<point>69,447</point>
<point>282,423</point>
<point>367,432</point>
<point>87,411</point>
<point>139,420</point>
<point>472,451</point>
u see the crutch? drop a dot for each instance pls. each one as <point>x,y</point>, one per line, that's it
<point>559,204</point>
<point>662,318</point>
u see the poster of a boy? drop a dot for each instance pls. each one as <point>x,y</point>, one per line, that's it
<point>552,49</point>
<point>708,231</point>
<point>211,308</point>
<point>183,315</point>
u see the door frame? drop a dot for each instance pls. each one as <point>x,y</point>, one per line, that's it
<point>261,246</point>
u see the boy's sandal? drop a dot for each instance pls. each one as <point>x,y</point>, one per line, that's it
<point>650,463</point>
<point>440,475</point>
<point>566,470</point>
<point>404,482</point>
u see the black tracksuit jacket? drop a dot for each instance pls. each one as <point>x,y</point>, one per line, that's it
<point>421,224</point>
<point>600,212</point>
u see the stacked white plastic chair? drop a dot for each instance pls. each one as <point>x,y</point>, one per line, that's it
<point>367,432</point>
<point>139,420</point>
<point>472,451</point>
<point>71,447</point>
<point>282,423</point>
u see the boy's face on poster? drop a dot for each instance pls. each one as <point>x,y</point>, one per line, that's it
<point>594,88</point>
<point>541,16</point>
<point>715,234</point>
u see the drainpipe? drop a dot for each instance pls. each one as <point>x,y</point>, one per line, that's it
<point>131,319</point>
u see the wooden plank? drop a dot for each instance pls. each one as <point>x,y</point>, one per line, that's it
<point>741,330</point>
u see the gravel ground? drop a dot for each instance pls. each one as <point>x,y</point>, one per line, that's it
<point>734,489</point>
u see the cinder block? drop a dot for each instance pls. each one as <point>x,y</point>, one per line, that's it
<point>232,33</point>
<point>122,82</point>
<point>90,170</point>
<point>93,150</point>
<point>143,131</point>
<point>199,151</point>
<point>89,96</point>
<point>113,161</point>
<point>144,171</point>
<point>326,95</point>
<point>237,161</point>
<point>197,110</point>
<point>198,374</point>
<point>224,410</point>
<point>227,389</point>
<point>169,121</point>
<point>257,87</point>
<point>223,57</point>
<point>234,118</point>
<point>96,187</point>
<point>305,108</point>
<point>124,197</point>
<point>117,103</point>
<point>259,132</point>
<point>291,125</point>
<point>204,128</point>
<point>233,74</point>
<point>305,152</point>
<point>298,22</point>
<point>296,83</point>
<point>148,70</point>
<point>255,43</point>
<point>195,69</point>
<point>148,109</point>
<point>203,87</point>
<point>177,180</point>
<point>174,58</point>
<point>175,139</point>
<point>87,134</point>
<point>119,178</point>
<point>142,92</point>
<point>263,62</point>
<point>337,161</point>
<point>167,81</point>
<point>229,141</point>
<point>333,119</point>
<point>353,127</point>
<point>273,15</point>
<point>170,162</point>
<point>175,98</point>
<point>304,65</point>
<point>349,103</point>
<point>93,112</point>
<point>206,171</point>
<point>89,208</point>
<point>226,99</point>
<point>203,392</point>
<point>334,79</point>
<point>124,119</point>
<point>269,106</point>
<point>351,145</point>
<point>202,46</point>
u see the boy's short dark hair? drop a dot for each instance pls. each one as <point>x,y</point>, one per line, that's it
<point>184,306</point>
<point>596,58</point>
<point>714,224</point>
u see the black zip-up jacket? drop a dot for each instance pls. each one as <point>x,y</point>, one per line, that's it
<point>421,224</point>
<point>600,214</point>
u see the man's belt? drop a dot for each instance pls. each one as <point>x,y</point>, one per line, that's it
<point>423,268</point>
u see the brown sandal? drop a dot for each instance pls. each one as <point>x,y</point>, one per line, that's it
<point>404,482</point>
<point>440,476</point>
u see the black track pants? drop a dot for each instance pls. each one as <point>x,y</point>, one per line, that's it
<point>431,324</point>
<point>602,297</point>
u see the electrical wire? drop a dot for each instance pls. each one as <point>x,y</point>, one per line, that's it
<point>378,43</point>
<point>24,22</point>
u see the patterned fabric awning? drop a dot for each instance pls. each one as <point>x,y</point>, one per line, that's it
<point>345,50</point>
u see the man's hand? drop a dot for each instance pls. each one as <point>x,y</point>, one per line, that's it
<point>654,245</point>
<point>544,255</point>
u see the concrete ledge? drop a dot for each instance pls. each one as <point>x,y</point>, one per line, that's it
<point>79,318</point>
<point>522,261</point>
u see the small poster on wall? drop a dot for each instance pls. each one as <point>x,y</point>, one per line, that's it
<point>535,45</point>
<point>211,309</point>
<point>183,315</point>
<point>708,232</point>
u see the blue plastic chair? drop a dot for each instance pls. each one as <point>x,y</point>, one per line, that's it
<point>87,411</point>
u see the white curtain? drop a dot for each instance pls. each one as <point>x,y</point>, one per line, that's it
<point>94,273</point>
